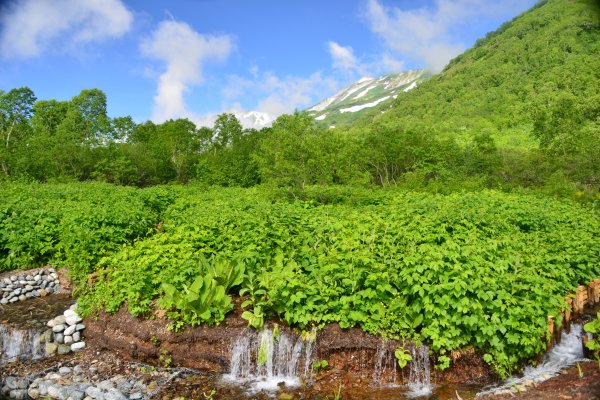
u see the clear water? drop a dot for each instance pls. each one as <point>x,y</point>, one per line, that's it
<point>565,354</point>
<point>264,361</point>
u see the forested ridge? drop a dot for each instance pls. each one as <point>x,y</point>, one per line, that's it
<point>520,108</point>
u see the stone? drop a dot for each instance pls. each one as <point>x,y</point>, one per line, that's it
<point>136,396</point>
<point>58,328</point>
<point>78,369</point>
<point>105,385</point>
<point>93,370</point>
<point>65,370</point>
<point>18,394</point>
<point>3,301</point>
<point>76,337</point>
<point>22,297</point>
<point>114,394</point>
<point>28,288</point>
<point>51,348</point>
<point>60,320</point>
<point>69,330</point>
<point>77,346</point>
<point>68,339</point>
<point>59,338</point>
<point>42,293</point>
<point>11,382</point>
<point>94,393</point>
<point>80,327</point>
<point>33,393</point>
<point>64,349</point>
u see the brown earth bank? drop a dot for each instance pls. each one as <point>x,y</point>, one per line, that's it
<point>350,352</point>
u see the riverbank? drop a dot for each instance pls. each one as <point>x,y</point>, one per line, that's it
<point>132,358</point>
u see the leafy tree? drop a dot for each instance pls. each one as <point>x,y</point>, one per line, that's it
<point>16,108</point>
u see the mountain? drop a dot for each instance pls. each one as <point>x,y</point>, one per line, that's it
<point>351,102</point>
<point>533,80</point>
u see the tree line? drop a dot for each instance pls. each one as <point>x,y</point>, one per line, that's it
<point>75,140</point>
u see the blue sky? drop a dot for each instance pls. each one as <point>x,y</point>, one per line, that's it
<point>158,59</point>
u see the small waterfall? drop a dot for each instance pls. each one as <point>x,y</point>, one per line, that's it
<point>419,381</point>
<point>17,344</point>
<point>565,354</point>
<point>265,360</point>
<point>384,371</point>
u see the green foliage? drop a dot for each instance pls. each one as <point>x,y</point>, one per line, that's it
<point>203,301</point>
<point>479,269</point>
<point>320,365</point>
<point>593,327</point>
<point>403,357</point>
<point>68,225</point>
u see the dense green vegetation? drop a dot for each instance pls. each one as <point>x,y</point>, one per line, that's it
<point>480,269</point>
<point>460,217</point>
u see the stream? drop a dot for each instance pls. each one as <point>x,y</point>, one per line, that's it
<point>262,365</point>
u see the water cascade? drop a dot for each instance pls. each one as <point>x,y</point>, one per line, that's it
<point>19,344</point>
<point>419,380</point>
<point>266,359</point>
<point>385,369</point>
<point>565,354</point>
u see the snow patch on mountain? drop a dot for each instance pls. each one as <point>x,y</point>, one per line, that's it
<point>363,106</point>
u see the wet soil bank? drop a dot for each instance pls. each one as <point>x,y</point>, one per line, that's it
<point>350,352</point>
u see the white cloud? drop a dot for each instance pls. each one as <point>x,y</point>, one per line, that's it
<point>30,27</point>
<point>184,51</point>
<point>427,33</point>
<point>277,95</point>
<point>343,57</point>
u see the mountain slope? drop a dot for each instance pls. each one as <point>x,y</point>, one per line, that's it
<point>351,102</point>
<point>511,80</point>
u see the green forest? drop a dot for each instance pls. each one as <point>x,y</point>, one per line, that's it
<point>459,216</point>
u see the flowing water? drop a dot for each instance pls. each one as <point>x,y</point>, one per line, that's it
<point>565,354</point>
<point>266,361</point>
<point>21,325</point>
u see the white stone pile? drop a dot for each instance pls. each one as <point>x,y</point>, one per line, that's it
<point>21,287</point>
<point>65,333</point>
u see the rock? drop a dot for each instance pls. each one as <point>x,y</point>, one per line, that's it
<point>65,370</point>
<point>78,369</point>
<point>68,339</point>
<point>76,337</point>
<point>22,297</point>
<point>77,346</point>
<point>80,327</point>
<point>33,393</point>
<point>59,338</point>
<point>70,329</point>
<point>114,394</point>
<point>94,393</point>
<point>18,394</point>
<point>64,349</point>
<point>60,320</point>
<point>51,348</point>
<point>42,292</point>
<point>58,328</point>
<point>3,301</point>
<point>28,288</point>
<point>105,385</point>
<point>11,382</point>
<point>73,320</point>
<point>93,370</point>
